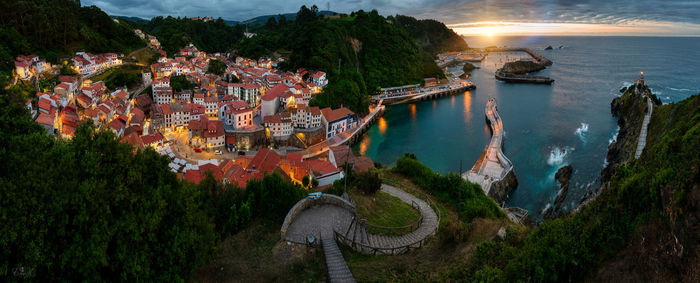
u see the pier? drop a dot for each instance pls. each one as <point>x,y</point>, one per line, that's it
<point>493,166</point>
<point>513,78</point>
<point>424,93</point>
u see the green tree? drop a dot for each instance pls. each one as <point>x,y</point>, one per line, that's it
<point>217,67</point>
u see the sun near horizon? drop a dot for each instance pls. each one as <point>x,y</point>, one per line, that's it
<point>636,28</point>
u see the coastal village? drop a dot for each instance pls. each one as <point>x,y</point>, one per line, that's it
<point>250,121</point>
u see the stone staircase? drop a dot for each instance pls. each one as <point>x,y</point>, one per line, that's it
<point>358,237</point>
<point>338,271</point>
<point>642,142</point>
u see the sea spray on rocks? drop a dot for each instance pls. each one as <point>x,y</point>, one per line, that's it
<point>557,155</point>
<point>581,131</point>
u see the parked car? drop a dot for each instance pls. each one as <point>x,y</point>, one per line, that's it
<point>218,152</point>
<point>197,149</point>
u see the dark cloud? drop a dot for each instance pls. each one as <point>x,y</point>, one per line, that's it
<point>448,11</point>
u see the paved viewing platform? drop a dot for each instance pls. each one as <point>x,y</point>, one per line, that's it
<point>421,93</point>
<point>331,218</point>
<point>492,165</point>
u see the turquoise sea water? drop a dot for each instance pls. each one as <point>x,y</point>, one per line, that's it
<point>546,127</point>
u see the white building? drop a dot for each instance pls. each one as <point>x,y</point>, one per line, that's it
<point>236,114</point>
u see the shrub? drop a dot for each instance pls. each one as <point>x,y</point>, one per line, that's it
<point>468,198</point>
<point>368,182</point>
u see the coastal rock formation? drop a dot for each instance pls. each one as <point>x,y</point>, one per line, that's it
<point>563,176</point>
<point>548,48</point>
<point>468,67</point>
<point>521,67</point>
<point>623,89</point>
<point>500,189</point>
<point>630,109</point>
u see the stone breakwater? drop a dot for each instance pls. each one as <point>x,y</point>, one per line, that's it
<point>493,170</point>
<point>514,71</point>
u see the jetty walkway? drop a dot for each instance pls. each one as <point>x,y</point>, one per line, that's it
<point>492,165</point>
<point>422,93</point>
<point>642,142</point>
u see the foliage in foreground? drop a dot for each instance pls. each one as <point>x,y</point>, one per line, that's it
<point>93,209</point>
<point>569,247</point>
<point>468,198</point>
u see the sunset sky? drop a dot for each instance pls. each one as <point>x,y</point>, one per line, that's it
<point>477,17</point>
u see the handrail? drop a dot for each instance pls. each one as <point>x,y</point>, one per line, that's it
<point>358,245</point>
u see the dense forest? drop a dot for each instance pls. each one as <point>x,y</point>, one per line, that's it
<point>432,35</point>
<point>175,33</point>
<point>361,52</point>
<point>55,29</point>
<point>93,209</point>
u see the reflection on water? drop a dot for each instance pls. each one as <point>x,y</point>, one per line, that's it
<point>452,101</point>
<point>364,144</point>
<point>382,125</point>
<point>467,107</point>
<point>412,108</point>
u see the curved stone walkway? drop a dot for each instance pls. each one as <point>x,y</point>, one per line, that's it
<point>371,243</point>
<point>642,142</point>
<point>323,220</point>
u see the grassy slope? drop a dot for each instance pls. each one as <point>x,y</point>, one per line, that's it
<point>437,257</point>
<point>383,209</point>
<point>256,255</point>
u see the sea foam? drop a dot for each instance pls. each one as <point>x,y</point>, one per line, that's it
<point>557,155</point>
<point>581,131</point>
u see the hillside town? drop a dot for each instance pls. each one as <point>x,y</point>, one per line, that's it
<point>236,126</point>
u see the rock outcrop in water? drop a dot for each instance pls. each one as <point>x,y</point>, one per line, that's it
<point>521,67</point>
<point>563,176</point>
<point>549,48</point>
<point>500,189</point>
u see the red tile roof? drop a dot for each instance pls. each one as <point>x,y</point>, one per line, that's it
<point>335,114</point>
<point>265,160</point>
<point>45,119</point>
<point>133,139</point>
<point>215,171</point>
<point>214,129</point>
<point>193,176</point>
<point>152,138</point>
<point>272,119</point>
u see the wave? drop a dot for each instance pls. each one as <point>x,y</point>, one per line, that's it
<point>581,131</point>
<point>679,89</point>
<point>614,136</point>
<point>557,155</point>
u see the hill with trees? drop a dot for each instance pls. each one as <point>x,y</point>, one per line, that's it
<point>432,35</point>
<point>361,52</point>
<point>175,33</point>
<point>54,29</point>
